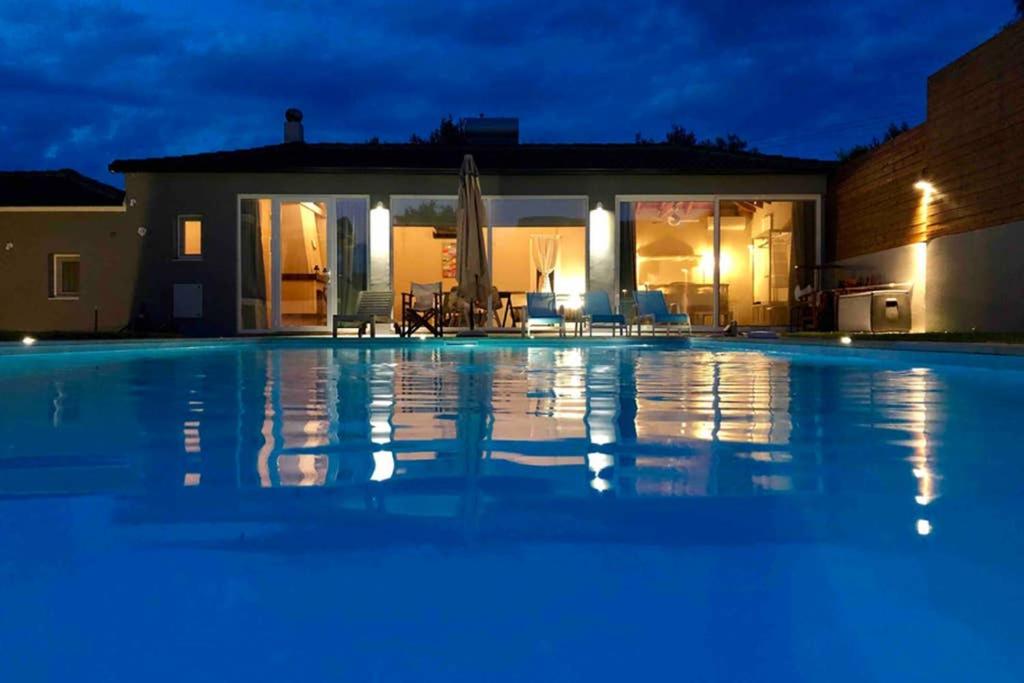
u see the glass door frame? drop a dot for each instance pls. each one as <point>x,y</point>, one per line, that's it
<point>274,295</point>
<point>717,199</point>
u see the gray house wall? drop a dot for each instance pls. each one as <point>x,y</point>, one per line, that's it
<point>160,198</point>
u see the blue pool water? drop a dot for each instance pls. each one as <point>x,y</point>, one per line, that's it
<point>301,510</point>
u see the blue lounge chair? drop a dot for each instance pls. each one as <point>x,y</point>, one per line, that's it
<point>597,310</point>
<point>651,307</point>
<point>540,310</point>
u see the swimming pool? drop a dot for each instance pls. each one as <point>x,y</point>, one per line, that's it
<point>492,509</point>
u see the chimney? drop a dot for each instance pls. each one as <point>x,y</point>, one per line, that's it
<point>490,130</point>
<point>293,126</point>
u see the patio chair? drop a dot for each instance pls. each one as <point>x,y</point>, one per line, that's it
<point>421,308</point>
<point>540,310</point>
<point>651,307</point>
<point>371,308</point>
<point>597,310</point>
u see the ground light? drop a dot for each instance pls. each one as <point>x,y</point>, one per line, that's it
<point>846,341</point>
<point>28,341</point>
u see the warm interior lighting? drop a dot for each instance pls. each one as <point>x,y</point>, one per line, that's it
<point>707,266</point>
<point>28,341</point>
<point>192,237</point>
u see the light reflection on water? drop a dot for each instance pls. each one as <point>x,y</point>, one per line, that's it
<point>608,420</point>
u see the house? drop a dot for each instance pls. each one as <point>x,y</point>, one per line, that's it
<point>67,258</point>
<point>279,238</point>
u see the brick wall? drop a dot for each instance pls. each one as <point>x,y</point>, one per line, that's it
<point>971,147</point>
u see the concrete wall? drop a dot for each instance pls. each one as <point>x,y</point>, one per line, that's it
<point>160,198</point>
<point>974,280</point>
<point>108,247</point>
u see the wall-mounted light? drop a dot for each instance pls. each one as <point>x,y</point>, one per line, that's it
<point>925,188</point>
<point>9,246</point>
<point>380,247</point>
<point>600,232</point>
<point>141,231</point>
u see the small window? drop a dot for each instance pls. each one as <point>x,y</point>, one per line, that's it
<point>66,276</point>
<point>190,237</point>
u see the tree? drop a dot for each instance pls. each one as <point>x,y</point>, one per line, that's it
<point>730,143</point>
<point>891,133</point>
<point>447,133</point>
<point>679,136</point>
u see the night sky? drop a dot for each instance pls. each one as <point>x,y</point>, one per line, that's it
<point>83,83</point>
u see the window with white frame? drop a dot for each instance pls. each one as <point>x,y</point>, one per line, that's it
<point>190,237</point>
<point>65,276</point>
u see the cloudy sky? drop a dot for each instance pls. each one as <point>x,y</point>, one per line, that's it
<point>85,82</point>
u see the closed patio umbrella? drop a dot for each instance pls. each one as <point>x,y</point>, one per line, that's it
<point>470,219</point>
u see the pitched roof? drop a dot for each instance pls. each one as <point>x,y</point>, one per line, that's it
<point>521,158</point>
<point>63,188</point>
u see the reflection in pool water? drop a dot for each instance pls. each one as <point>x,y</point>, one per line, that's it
<point>616,420</point>
<point>730,498</point>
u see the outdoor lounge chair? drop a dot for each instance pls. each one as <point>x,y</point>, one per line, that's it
<point>597,310</point>
<point>540,310</point>
<point>651,307</point>
<point>421,308</point>
<point>371,308</point>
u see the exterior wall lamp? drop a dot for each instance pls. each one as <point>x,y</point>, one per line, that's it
<point>925,187</point>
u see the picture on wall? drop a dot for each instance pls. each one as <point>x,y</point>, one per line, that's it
<point>449,268</point>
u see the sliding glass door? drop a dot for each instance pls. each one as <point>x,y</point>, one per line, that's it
<point>301,261</point>
<point>305,269</point>
<point>721,259</point>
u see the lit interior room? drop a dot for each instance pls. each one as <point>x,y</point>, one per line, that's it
<point>535,245</point>
<point>423,244</point>
<point>304,274</point>
<point>675,254</point>
<point>539,244</point>
<point>767,251</point>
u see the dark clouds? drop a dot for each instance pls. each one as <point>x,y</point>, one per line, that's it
<point>84,82</point>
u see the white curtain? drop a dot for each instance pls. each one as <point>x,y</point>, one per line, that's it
<point>545,256</point>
